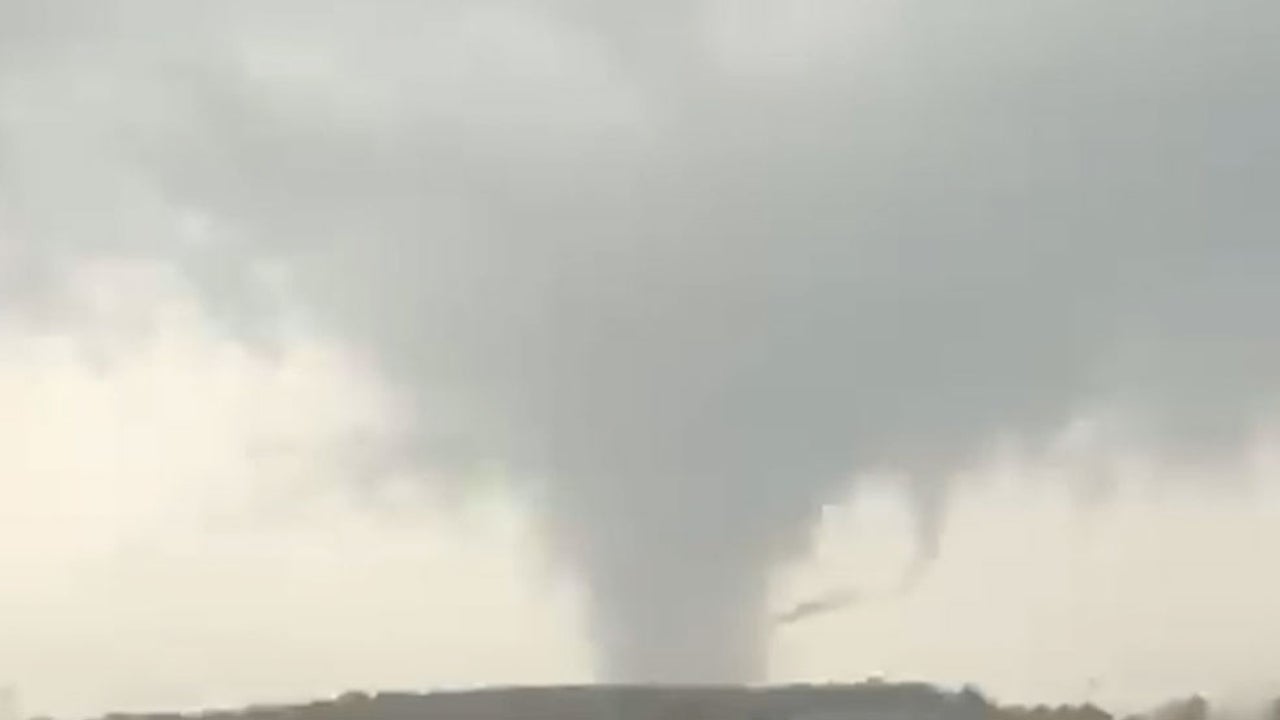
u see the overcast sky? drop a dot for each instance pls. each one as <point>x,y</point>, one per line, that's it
<point>154,567</point>
<point>378,343</point>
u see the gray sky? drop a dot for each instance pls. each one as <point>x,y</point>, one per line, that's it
<point>667,280</point>
<point>138,577</point>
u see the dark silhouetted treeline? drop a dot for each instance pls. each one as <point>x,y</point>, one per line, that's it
<point>866,701</point>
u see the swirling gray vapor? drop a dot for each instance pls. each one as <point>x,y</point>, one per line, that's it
<point>690,286</point>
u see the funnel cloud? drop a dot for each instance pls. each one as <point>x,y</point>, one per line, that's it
<point>686,269</point>
<point>830,602</point>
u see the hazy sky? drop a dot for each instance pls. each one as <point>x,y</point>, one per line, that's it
<point>367,336</point>
<point>156,555</point>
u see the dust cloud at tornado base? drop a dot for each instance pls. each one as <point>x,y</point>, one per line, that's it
<point>684,270</point>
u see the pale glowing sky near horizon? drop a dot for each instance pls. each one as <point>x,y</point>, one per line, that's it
<point>154,556</point>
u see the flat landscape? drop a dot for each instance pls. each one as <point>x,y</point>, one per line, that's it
<point>866,701</point>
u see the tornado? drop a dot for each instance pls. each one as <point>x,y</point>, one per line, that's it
<point>686,273</point>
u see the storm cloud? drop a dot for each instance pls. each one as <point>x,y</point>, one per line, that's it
<point>687,268</point>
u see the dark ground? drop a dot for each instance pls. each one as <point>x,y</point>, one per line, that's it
<point>868,701</point>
